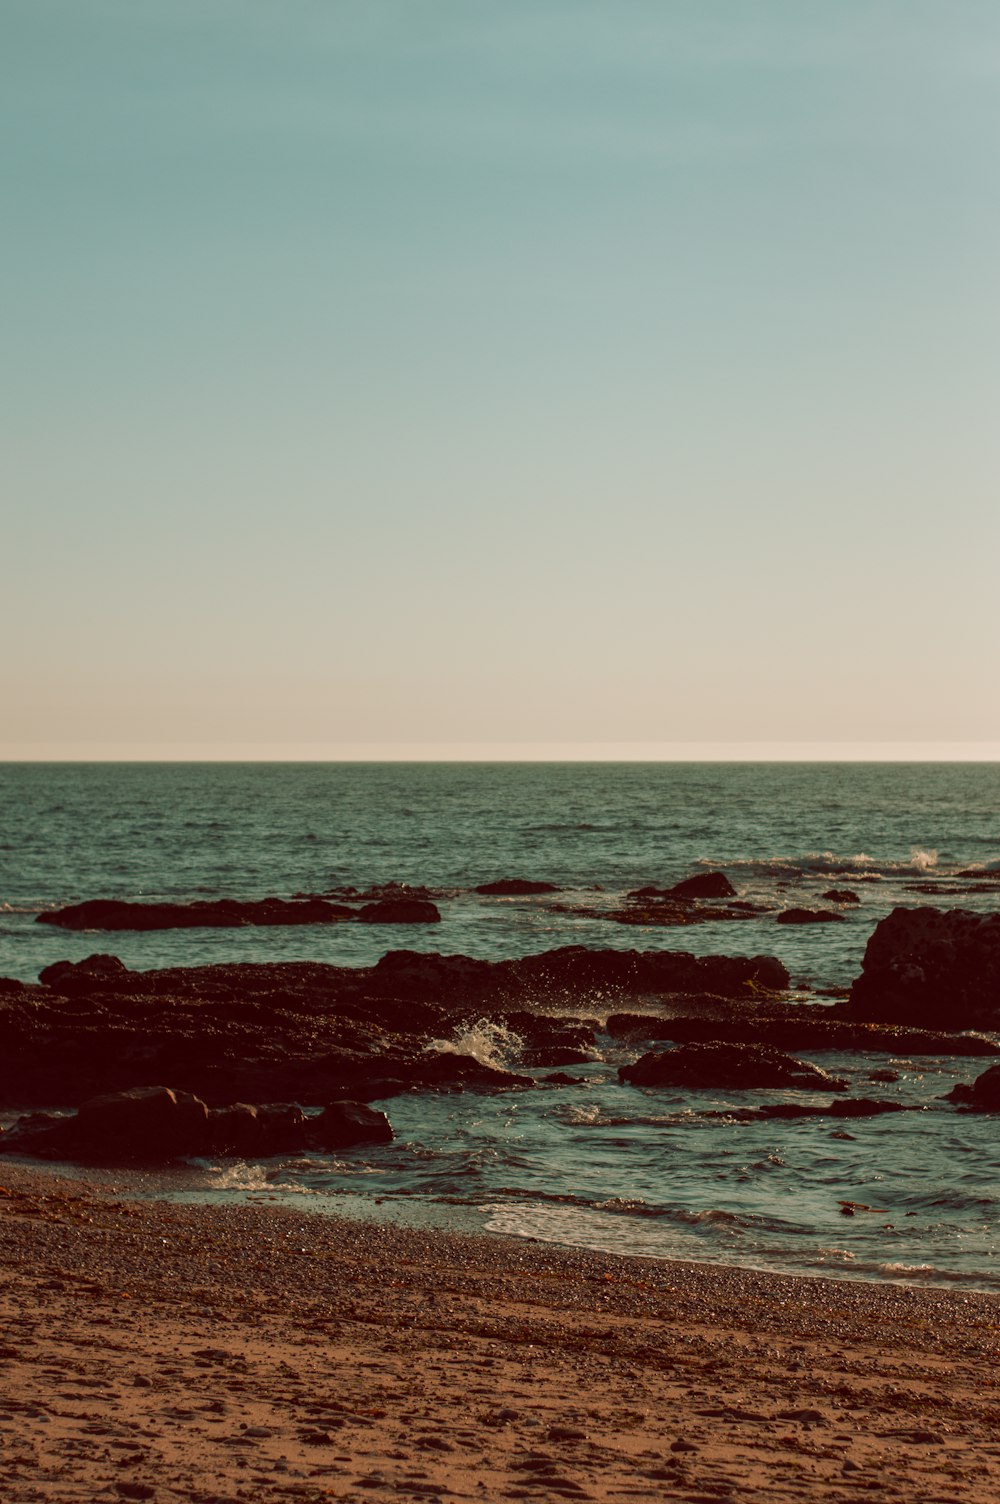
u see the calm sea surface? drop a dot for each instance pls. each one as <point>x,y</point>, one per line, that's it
<point>599,1165</point>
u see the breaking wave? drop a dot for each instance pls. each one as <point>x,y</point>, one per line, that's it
<point>487,1041</point>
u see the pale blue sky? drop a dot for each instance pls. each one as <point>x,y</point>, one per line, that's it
<point>550,374</point>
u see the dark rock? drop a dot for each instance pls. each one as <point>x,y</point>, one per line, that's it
<point>342,1124</point>
<point>883,1077</point>
<point>791,1026</point>
<point>95,972</point>
<point>515,887</point>
<point>223,913</point>
<point>703,885</point>
<point>841,895</point>
<point>934,967</point>
<point>809,916</point>
<point>574,971</point>
<point>309,1032</point>
<point>400,911</point>
<point>844,1107</point>
<point>982,1096</point>
<point>744,1067</point>
<point>155,1124</point>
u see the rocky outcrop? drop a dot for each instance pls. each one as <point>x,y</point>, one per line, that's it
<point>982,1096</point>
<point>304,1031</point>
<point>702,885</point>
<point>792,1026</point>
<point>939,968</point>
<point>515,887</point>
<point>154,1124</point>
<point>578,972</point>
<point>400,911</point>
<point>222,913</point>
<point>809,916</point>
<point>719,1066</point>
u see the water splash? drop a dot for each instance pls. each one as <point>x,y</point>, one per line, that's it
<point>491,1043</point>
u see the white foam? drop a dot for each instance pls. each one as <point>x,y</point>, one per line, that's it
<point>487,1041</point>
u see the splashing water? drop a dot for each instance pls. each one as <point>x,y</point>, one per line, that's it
<point>491,1043</point>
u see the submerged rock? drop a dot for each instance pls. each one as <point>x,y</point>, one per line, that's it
<point>935,967</point>
<point>792,1026</point>
<point>515,887</point>
<point>809,916</point>
<point>843,1107</point>
<point>841,895</point>
<point>744,1067</point>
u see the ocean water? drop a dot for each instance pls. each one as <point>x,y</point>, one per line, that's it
<point>599,1164</point>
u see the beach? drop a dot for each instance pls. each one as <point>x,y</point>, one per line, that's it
<point>154,1350</point>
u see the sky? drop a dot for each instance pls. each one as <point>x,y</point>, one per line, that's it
<point>499,378</point>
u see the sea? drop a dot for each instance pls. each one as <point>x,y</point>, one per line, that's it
<point>913,1197</point>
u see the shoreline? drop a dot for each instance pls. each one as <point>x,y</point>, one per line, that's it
<point>158,1349</point>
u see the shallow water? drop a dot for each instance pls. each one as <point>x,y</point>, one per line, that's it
<point>598,1165</point>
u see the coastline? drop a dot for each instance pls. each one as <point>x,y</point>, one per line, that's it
<point>157,1350</point>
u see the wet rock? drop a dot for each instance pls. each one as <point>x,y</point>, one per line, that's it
<point>715,1066</point>
<point>342,1124</point>
<point>809,916</point>
<point>982,1096</point>
<point>791,1026</point>
<point>93,973</point>
<point>156,1124</point>
<point>515,887</point>
<point>841,895</point>
<point>703,885</point>
<point>939,968</point>
<point>223,913</point>
<point>576,971</point>
<point>400,911</point>
<point>839,1107</point>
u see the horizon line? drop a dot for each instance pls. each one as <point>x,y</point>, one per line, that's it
<point>503,752</point>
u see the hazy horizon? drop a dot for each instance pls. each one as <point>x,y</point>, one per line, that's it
<point>436,375</point>
<point>679,752</point>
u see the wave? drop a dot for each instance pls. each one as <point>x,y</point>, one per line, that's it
<point>487,1041</point>
<point>829,863</point>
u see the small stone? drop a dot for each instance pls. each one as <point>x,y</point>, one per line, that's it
<point>683,1445</point>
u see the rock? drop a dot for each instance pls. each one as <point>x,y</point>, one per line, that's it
<point>982,1096</point>
<point>791,1026</point>
<point>223,913</point>
<point>342,1124</point>
<point>400,911</point>
<point>155,1124</point>
<point>841,895</point>
<point>143,1122</point>
<point>939,968</point>
<point>844,1107</point>
<point>718,1066</point>
<point>574,971</point>
<point>809,916</point>
<point>885,1077</point>
<point>702,885</point>
<point>515,887</point>
<point>99,971</point>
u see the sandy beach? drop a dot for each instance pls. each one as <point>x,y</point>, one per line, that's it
<point>150,1350</point>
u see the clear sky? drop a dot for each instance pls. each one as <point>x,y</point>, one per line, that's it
<point>418,376</point>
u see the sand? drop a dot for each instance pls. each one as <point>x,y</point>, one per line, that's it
<point>156,1351</point>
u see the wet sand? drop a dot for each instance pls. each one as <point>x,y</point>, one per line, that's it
<point>253,1353</point>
